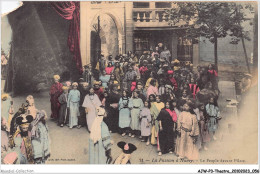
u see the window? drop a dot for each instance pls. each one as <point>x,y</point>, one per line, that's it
<point>141,5</point>
<point>162,4</point>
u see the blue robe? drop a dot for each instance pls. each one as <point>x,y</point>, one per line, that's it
<point>97,152</point>
<point>124,113</point>
<point>40,139</point>
<point>73,105</point>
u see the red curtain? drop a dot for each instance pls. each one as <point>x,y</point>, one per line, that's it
<point>69,10</point>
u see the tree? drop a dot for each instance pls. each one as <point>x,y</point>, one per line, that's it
<point>212,20</point>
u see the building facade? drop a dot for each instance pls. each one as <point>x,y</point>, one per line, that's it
<point>130,26</point>
<point>139,27</point>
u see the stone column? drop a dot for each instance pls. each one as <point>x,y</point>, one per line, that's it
<point>174,46</point>
<point>129,27</point>
<point>196,55</point>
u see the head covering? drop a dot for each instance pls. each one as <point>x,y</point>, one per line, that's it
<point>68,83</point>
<point>75,84</point>
<point>127,148</point>
<point>4,95</point>
<point>176,61</point>
<point>96,82</point>
<point>56,77</point>
<point>65,88</point>
<point>170,72</point>
<point>24,119</point>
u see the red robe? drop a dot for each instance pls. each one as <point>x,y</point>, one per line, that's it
<point>194,90</point>
<point>174,83</point>
<point>55,92</point>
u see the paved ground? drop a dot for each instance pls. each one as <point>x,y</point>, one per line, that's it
<point>71,146</point>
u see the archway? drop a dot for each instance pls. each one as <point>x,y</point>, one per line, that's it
<point>110,35</point>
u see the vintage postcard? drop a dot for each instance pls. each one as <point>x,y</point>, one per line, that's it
<point>129,82</point>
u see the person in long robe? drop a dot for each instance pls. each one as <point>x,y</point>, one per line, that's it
<point>166,120</point>
<point>112,110</point>
<point>7,110</point>
<point>40,138</point>
<point>124,114</point>
<point>203,125</point>
<point>24,136</point>
<point>188,131</point>
<point>83,92</point>
<point>73,105</point>
<point>90,103</point>
<point>14,126</point>
<point>55,92</point>
<point>64,111</point>
<point>135,105</point>
<point>145,116</point>
<point>213,112</point>
<point>156,107</point>
<point>99,140</point>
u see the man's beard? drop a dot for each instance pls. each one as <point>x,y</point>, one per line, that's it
<point>24,134</point>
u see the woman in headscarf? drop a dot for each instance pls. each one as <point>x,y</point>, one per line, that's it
<point>99,140</point>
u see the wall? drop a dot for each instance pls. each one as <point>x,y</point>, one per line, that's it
<point>39,47</point>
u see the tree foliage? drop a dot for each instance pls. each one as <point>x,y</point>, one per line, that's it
<point>210,19</point>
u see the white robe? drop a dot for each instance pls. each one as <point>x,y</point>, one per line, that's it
<point>91,103</point>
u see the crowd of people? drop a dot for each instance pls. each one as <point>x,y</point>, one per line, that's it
<point>167,104</point>
<point>24,134</point>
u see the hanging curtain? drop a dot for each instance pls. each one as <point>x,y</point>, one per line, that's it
<point>69,10</point>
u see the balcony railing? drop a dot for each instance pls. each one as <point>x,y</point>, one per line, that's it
<point>156,17</point>
<point>149,15</point>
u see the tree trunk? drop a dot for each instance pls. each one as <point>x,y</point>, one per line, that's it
<point>216,51</point>
<point>244,47</point>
